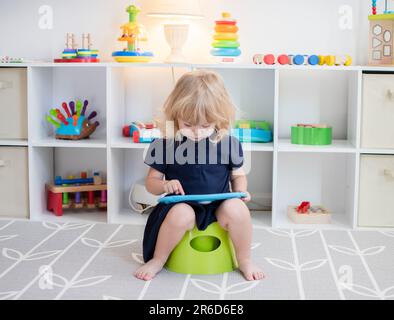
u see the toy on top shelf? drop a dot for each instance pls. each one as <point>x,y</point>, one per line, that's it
<point>142,132</point>
<point>252,131</point>
<point>133,33</point>
<point>7,59</point>
<point>306,214</point>
<point>76,126</point>
<point>312,60</point>
<point>83,55</point>
<point>381,28</point>
<point>311,134</point>
<point>88,193</point>
<point>226,44</point>
<point>374,7</point>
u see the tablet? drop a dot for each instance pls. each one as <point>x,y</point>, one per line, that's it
<point>202,198</point>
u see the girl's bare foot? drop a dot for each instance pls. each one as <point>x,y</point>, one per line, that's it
<point>251,271</point>
<point>149,270</point>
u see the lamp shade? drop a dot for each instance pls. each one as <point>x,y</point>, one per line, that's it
<point>185,9</point>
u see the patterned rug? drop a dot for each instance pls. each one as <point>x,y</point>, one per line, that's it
<point>96,261</point>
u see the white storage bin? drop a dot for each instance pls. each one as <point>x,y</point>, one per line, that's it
<point>376,200</point>
<point>378,111</point>
<point>13,103</point>
<point>14,199</point>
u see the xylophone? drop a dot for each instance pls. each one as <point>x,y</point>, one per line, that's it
<point>76,193</point>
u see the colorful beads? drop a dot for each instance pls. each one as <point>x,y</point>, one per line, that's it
<point>226,38</point>
<point>298,60</point>
<point>374,7</point>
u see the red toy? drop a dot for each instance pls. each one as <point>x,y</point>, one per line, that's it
<point>304,207</point>
<point>141,132</point>
<point>270,59</point>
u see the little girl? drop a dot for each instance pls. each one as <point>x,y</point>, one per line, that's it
<point>200,113</point>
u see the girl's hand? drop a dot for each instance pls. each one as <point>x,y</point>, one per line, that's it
<point>173,186</point>
<point>247,198</point>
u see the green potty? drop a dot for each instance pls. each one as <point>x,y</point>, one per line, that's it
<point>203,252</point>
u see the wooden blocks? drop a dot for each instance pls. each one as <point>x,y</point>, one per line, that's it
<point>307,214</point>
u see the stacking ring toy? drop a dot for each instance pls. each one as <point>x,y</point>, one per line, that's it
<point>226,44</point>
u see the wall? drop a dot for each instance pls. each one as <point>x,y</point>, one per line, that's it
<point>303,26</point>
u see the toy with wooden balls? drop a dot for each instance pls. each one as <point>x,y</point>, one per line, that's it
<point>298,59</point>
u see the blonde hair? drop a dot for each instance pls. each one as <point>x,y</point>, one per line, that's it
<point>198,96</point>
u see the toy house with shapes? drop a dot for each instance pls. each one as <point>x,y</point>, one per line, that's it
<point>381,36</point>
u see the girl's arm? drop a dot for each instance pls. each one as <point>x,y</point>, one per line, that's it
<point>156,185</point>
<point>239,183</point>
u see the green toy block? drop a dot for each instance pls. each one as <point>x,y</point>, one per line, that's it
<point>203,252</point>
<point>311,136</point>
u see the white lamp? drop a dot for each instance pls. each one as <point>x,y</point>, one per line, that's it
<point>176,32</point>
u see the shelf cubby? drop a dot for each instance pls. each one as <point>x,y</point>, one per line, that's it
<point>320,178</point>
<point>49,87</point>
<point>252,91</point>
<point>319,96</point>
<point>127,169</point>
<point>49,162</point>
<point>137,94</point>
<point>259,169</point>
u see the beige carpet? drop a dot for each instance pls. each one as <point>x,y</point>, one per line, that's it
<point>83,261</point>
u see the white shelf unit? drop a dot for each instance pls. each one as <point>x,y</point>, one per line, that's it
<point>279,173</point>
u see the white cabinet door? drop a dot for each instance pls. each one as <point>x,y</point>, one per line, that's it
<point>378,111</point>
<point>14,182</point>
<point>13,103</point>
<point>376,199</point>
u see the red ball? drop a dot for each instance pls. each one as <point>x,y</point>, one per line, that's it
<point>269,59</point>
<point>283,59</point>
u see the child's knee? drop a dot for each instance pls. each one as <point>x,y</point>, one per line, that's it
<point>234,206</point>
<point>233,211</point>
<point>182,216</point>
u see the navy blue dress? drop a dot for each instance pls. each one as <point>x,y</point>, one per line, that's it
<point>202,167</point>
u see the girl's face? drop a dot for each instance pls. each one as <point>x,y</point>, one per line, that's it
<point>196,132</point>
